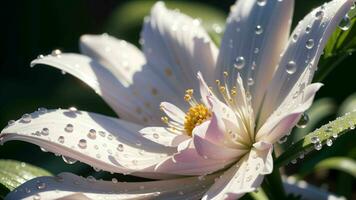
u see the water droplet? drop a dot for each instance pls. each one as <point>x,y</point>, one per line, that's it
<point>294,161</point>
<point>69,160</point>
<point>92,134</point>
<point>303,121</point>
<point>308,29</point>
<point>82,143</point>
<point>42,110</point>
<point>41,185</point>
<point>314,139</point>
<point>319,14</point>
<point>61,139</point>
<point>36,197</point>
<point>335,135</point>
<point>329,142</point>
<point>309,44</point>
<point>43,149</point>
<point>56,53</point>
<point>318,146</point>
<point>26,118</point>
<point>261,2</point>
<point>110,137</point>
<point>138,143</point>
<point>345,23</point>
<point>301,156</point>
<point>114,180</point>
<point>73,109</point>
<point>91,179</point>
<point>102,133</point>
<point>250,81</point>
<point>295,37</point>
<point>11,122</point>
<point>120,147</point>
<point>249,178</point>
<point>256,50</point>
<point>258,30</point>
<point>155,135</point>
<point>45,131</point>
<point>69,128</point>
<point>291,67</point>
<point>283,139</point>
<point>239,62</point>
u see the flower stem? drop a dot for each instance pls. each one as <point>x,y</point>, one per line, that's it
<point>273,186</point>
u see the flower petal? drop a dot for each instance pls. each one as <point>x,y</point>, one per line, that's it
<point>70,186</point>
<point>177,47</point>
<point>103,142</point>
<point>188,162</point>
<point>128,64</point>
<point>173,112</point>
<point>243,177</point>
<point>282,121</point>
<point>164,136</point>
<point>257,32</point>
<point>125,101</point>
<point>210,150</point>
<point>299,61</point>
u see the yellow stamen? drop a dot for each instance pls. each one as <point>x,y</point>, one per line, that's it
<point>195,116</point>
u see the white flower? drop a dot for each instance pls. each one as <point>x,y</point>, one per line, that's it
<point>263,88</point>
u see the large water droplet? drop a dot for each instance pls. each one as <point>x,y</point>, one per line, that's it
<point>329,142</point>
<point>261,2</point>
<point>26,118</point>
<point>308,29</point>
<point>258,30</point>
<point>309,44</point>
<point>69,160</point>
<point>82,143</point>
<point>92,134</point>
<point>314,139</point>
<point>318,146</point>
<point>69,128</point>
<point>56,53</point>
<point>291,67</point>
<point>303,121</point>
<point>345,23</point>
<point>239,62</point>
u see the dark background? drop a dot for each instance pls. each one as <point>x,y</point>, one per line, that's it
<point>34,27</point>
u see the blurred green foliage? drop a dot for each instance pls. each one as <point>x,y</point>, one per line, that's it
<point>36,27</point>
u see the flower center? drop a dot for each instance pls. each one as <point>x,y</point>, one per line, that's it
<point>196,115</point>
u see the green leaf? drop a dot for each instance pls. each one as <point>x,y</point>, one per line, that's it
<point>338,163</point>
<point>14,173</point>
<point>126,20</point>
<point>329,131</point>
<point>340,45</point>
<point>347,105</point>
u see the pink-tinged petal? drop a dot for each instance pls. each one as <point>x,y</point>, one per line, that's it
<point>128,64</point>
<point>177,47</point>
<point>173,112</point>
<point>298,62</point>
<point>164,136</point>
<point>123,99</point>
<point>204,89</point>
<point>258,34</point>
<point>188,162</point>
<point>69,186</point>
<point>243,177</point>
<point>103,142</point>
<point>210,150</point>
<point>282,121</point>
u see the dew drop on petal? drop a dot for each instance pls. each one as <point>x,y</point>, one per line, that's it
<point>45,131</point>
<point>11,122</point>
<point>295,37</point>
<point>258,30</point>
<point>303,121</point>
<point>308,29</point>
<point>319,14</point>
<point>309,44</point>
<point>68,160</point>
<point>261,2</point>
<point>92,134</point>
<point>102,133</point>
<point>42,110</point>
<point>56,53</point>
<point>91,178</point>
<point>250,81</point>
<point>345,23</point>
<point>294,161</point>
<point>239,62</point>
<point>82,143</point>
<point>318,146</point>
<point>69,128</point>
<point>291,67</point>
<point>61,139</point>
<point>43,149</point>
<point>41,185</point>
<point>114,180</point>
<point>120,147</point>
<point>26,118</point>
